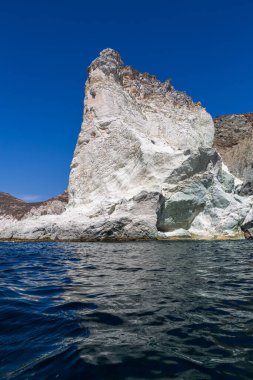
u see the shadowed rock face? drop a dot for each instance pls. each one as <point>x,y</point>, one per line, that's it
<point>18,209</point>
<point>234,142</point>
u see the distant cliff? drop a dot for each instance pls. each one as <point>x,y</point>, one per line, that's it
<point>18,209</point>
<point>234,142</point>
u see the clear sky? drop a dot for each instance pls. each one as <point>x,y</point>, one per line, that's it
<point>205,46</point>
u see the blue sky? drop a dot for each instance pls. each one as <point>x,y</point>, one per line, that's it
<point>205,46</point>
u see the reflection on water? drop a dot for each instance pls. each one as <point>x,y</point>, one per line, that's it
<point>145,310</point>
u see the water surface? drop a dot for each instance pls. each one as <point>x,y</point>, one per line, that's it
<point>145,310</point>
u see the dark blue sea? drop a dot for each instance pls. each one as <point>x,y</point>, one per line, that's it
<point>132,311</point>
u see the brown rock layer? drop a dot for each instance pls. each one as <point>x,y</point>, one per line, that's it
<point>234,142</point>
<point>19,209</point>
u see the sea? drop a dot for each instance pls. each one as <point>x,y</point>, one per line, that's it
<point>130,310</point>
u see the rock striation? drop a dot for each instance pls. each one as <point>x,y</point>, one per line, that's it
<point>234,141</point>
<point>144,167</point>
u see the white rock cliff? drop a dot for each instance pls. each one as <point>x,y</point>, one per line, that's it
<point>143,167</point>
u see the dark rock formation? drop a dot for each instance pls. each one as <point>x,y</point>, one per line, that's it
<point>248,235</point>
<point>234,142</point>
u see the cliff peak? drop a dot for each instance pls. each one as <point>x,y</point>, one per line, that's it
<point>111,55</point>
<point>108,59</point>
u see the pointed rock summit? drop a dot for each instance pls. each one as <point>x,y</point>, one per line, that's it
<point>144,166</point>
<point>108,59</point>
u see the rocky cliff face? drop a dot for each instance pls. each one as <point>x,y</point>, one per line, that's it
<point>234,142</point>
<point>143,167</point>
<point>136,132</point>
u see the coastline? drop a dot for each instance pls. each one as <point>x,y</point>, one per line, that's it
<point>237,236</point>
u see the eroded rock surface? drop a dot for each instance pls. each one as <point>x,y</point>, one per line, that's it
<point>136,132</point>
<point>234,142</point>
<point>144,166</point>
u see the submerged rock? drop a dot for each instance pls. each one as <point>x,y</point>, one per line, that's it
<point>144,166</point>
<point>248,234</point>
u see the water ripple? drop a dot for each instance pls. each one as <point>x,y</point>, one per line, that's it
<point>132,311</point>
